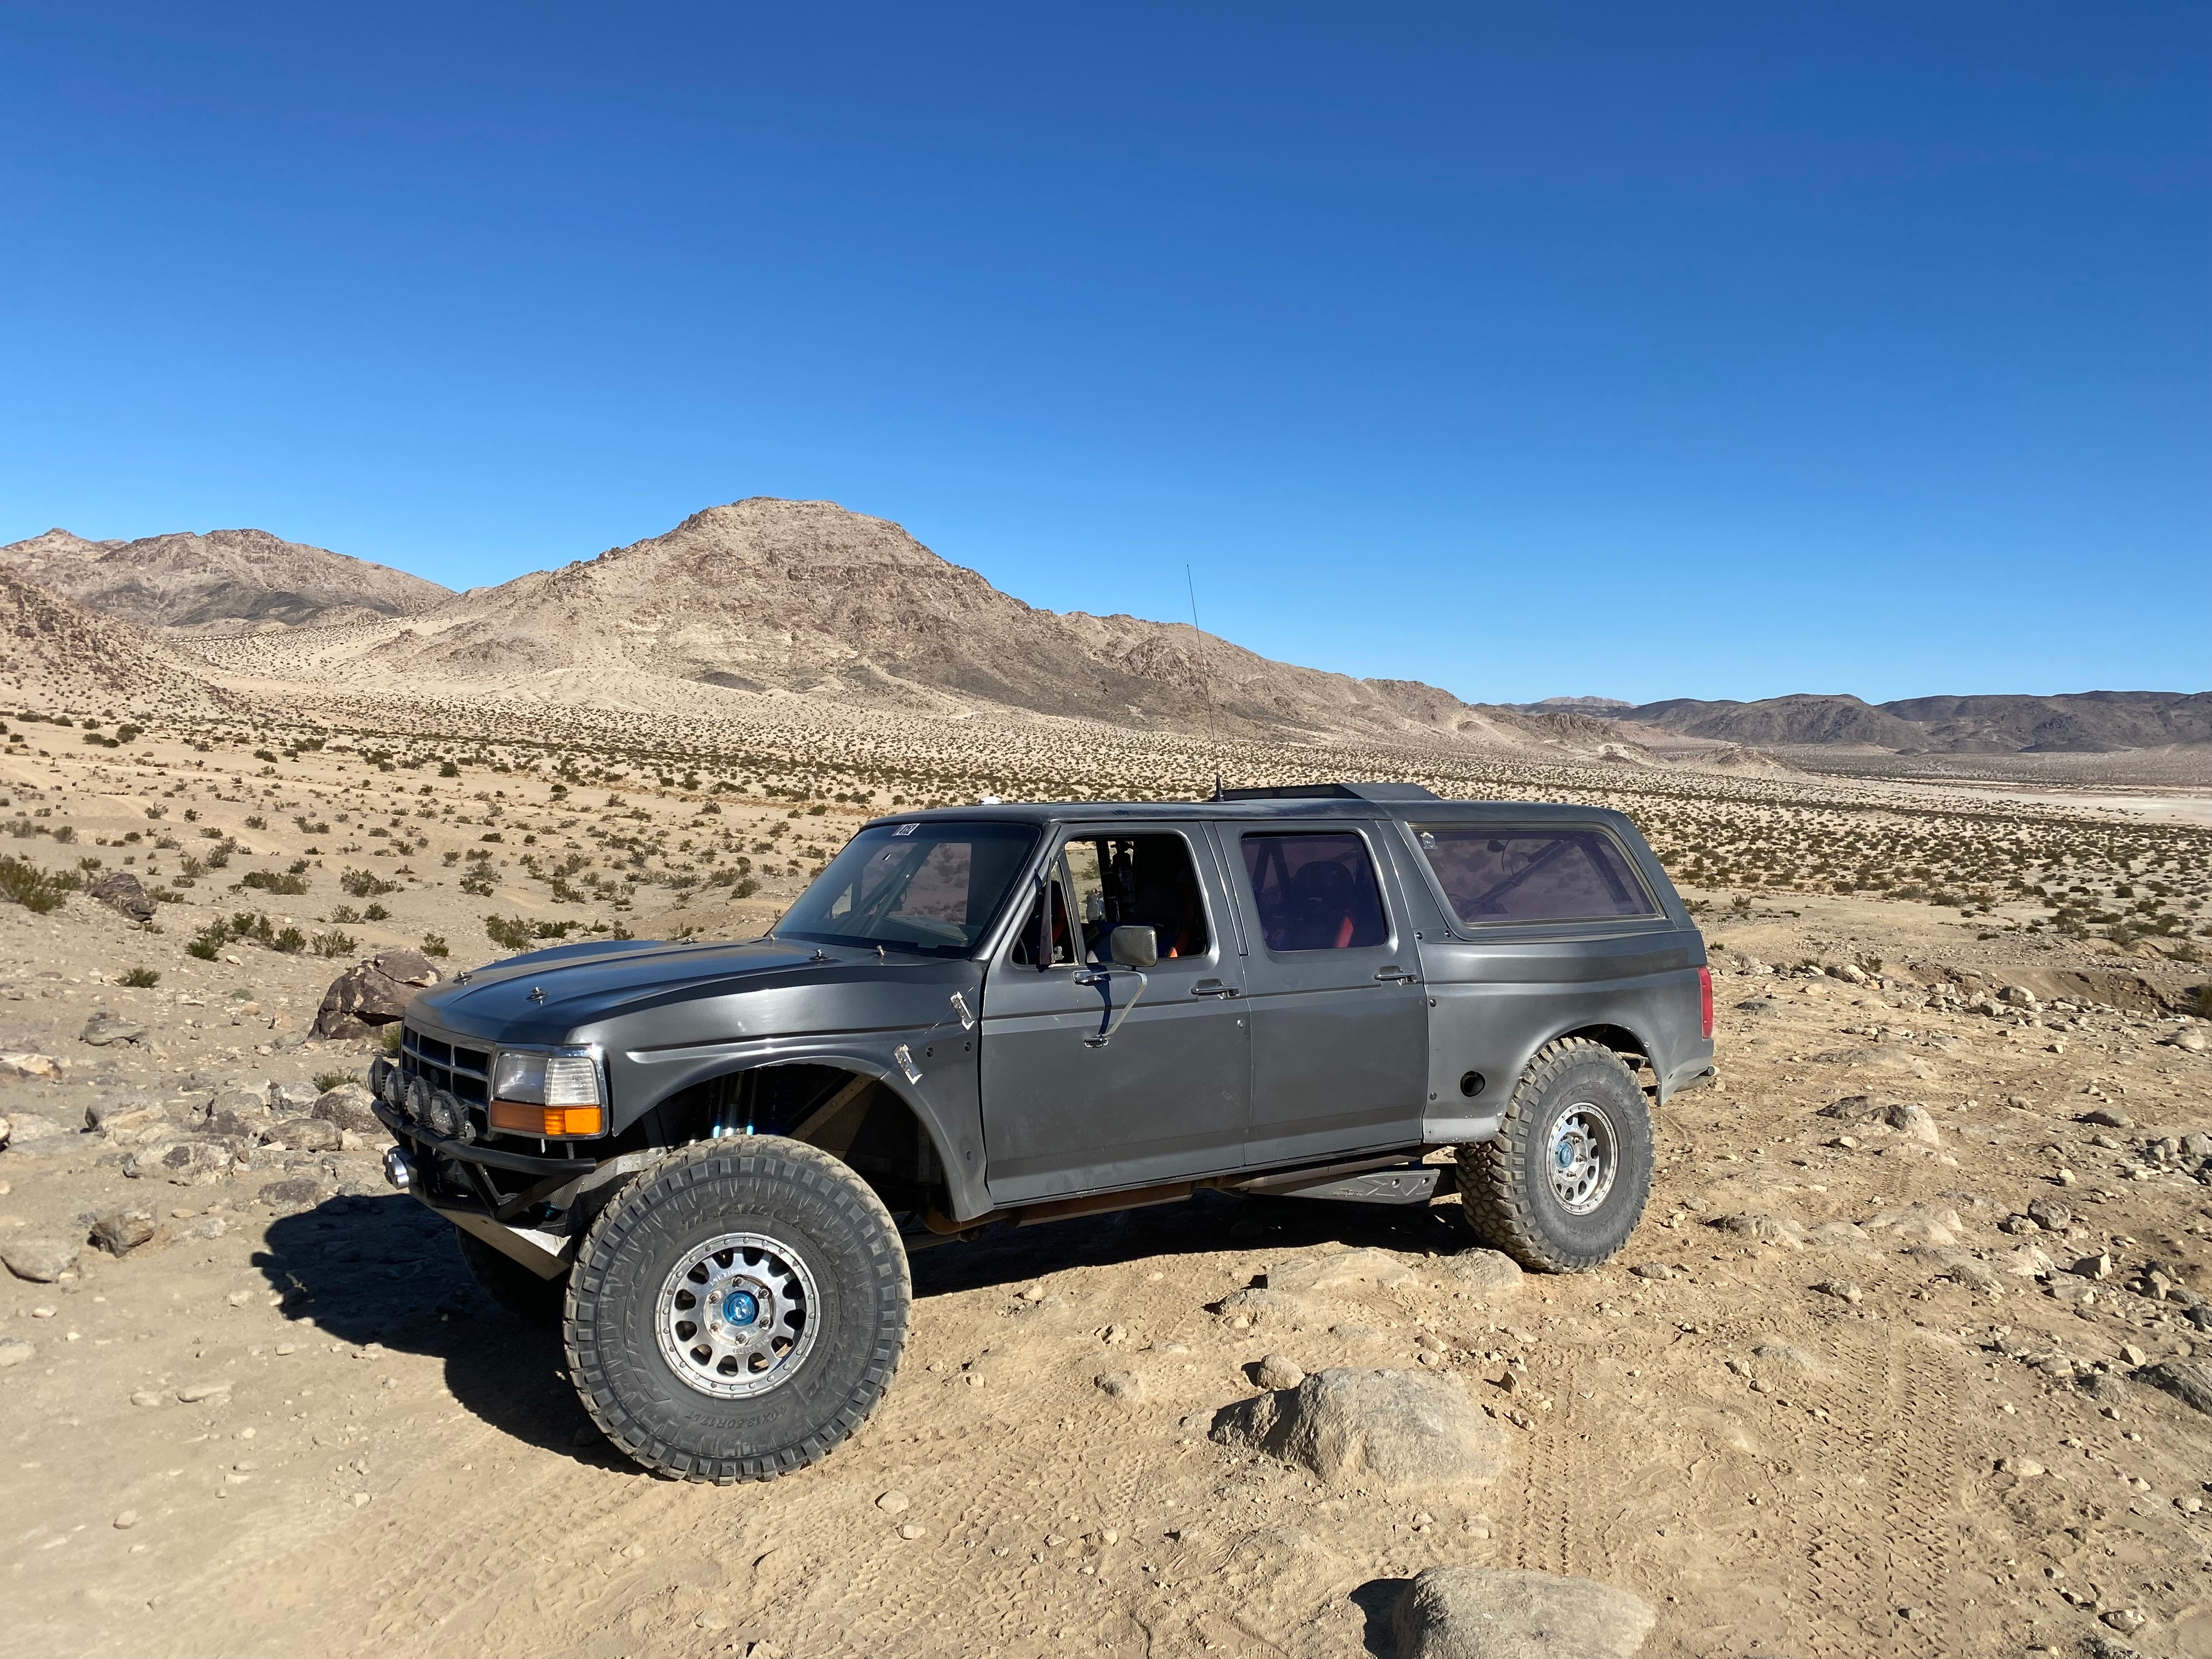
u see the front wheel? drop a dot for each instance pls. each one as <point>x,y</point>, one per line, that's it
<point>1563,1183</point>
<point>738,1311</point>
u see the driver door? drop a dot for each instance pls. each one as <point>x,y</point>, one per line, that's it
<point>1166,1095</point>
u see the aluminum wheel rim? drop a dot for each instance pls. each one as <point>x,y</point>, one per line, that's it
<point>1582,1157</point>
<point>738,1315</point>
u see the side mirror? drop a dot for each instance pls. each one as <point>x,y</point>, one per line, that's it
<point>1134,947</point>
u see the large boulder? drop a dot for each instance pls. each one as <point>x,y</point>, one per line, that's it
<point>120,891</point>
<point>373,993</point>
<point>350,1107</point>
<point>40,1258</point>
<point>2188,1382</point>
<point>1486,1612</point>
<point>1396,1430</point>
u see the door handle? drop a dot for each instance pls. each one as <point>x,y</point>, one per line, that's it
<point>1214,988</point>
<point>1395,976</point>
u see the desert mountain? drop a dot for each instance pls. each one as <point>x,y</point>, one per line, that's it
<point>58,654</point>
<point>2088,722</point>
<point>773,597</point>
<point>225,580</point>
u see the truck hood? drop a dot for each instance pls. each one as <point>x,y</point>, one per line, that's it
<point>548,996</point>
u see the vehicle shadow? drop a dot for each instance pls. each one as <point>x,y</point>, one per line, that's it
<point>385,1270</point>
<point>1207,1222</point>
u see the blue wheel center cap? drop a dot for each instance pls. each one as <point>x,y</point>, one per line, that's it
<point>740,1308</point>
<point>1566,1155</point>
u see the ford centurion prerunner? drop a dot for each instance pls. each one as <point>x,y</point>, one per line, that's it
<point>710,1160</point>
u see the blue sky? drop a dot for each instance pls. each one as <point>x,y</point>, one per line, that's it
<point>1704,350</point>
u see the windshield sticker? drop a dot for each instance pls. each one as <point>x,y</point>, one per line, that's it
<point>906,829</point>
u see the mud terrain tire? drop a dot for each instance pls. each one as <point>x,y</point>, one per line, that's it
<point>737,1310</point>
<point>1563,1183</point>
<point>534,1301</point>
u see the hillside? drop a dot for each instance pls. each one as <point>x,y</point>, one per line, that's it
<point>771,597</point>
<point>59,655</point>
<point>222,581</point>
<point>2088,722</point>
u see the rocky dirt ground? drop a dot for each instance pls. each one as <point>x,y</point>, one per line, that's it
<point>1885,1371</point>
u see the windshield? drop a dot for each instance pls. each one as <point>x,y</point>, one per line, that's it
<point>933,888</point>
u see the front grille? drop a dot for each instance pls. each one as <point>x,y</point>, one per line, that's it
<point>463,1072</point>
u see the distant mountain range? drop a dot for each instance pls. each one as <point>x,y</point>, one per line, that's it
<point>2085,722</point>
<point>776,598</point>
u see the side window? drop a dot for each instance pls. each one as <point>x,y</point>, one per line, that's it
<point>1532,875</point>
<point>1315,891</point>
<point>1114,881</point>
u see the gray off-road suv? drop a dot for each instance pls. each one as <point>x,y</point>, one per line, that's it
<point>710,1161</point>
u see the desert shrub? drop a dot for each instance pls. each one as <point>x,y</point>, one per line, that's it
<point>481,886</point>
<point>257,822</point>
<point>335,944</point>
<point>344,913</point>
<point>508,933</point>
<point>376,912</point>
<point>268,881</point>
<point>24,883</point>
<point>434,944</point>
<point>290,942</point>
<point>139,979</point>
<point>366,883</point>
<point>326,1081</point>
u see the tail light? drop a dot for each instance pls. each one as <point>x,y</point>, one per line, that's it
<point>1706,1003</point>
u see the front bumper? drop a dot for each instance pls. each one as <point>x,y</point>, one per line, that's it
<point>547,1255</point>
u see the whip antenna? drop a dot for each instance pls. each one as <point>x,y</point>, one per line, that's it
<point>1206,680</point>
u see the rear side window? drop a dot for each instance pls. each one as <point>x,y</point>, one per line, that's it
<point>1315,891</point>
<point>1533,875</point>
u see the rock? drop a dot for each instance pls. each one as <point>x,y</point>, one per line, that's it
<point>1397,1428</point>
<point>2050,1215</point>
<point>2017,995</point>
<point>120,891</point>
<point>293,1099</point>
<point>20,1063</point>
<point>1340,1270</point>
<point>892,1502</point>
<point>40,1258</point>
<point>1958,1266</point>
<point>1914,1120</point>
<point>348,1106</point>
<point>302,1193</point>
<point>911,1531</point>
<point>1657,1270</point>
<point>1125,1386</point>
<point>117,1109</point>
<point>14,1351</point>
<point>1921,1222</point>
<point>123,1230</point>
<point>2188,1381</point>
<point>2106,1388</point>
<point>373,993</point>
<point>1260,1305</point>
<point>104,1030</point>
<point>193,1393</point>
<point>1275,1371</point>
<point>306,1134</point>
<point>1486,1612</point>
<point>125,1520</point>
<point>1842,1289</point>
<point>1850,972</point>
<point>1491,1274</point>
<point>1851,1108</point>
<point>2105,1118</point>
<point>24,1128</point>
<point>1762,1229</point>
<point>183,1163</point>
<point>2026,1467</point>
<point>2188,1038</point>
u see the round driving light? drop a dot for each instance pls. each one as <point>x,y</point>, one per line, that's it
<point>379,1073</point>
<point>444,1113</point>
<point>417,1105</point>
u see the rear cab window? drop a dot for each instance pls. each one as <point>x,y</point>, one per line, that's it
<point>1315,890</point>
<point>1490,874</point>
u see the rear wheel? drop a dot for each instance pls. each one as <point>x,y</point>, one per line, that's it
<point>738,1311</point>
<point>1563,1183</point>
<point>533,1300</point>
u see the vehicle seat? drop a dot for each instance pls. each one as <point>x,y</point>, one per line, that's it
<point>1323,896</point>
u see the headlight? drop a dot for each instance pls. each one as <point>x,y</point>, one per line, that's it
<point>547,1079</point>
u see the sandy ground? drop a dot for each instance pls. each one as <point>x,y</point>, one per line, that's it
<point>290,1424</point>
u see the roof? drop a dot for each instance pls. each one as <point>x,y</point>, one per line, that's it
<point>1333,800</point>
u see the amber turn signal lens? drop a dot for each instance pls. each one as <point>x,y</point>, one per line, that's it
<point>518,1119</point>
